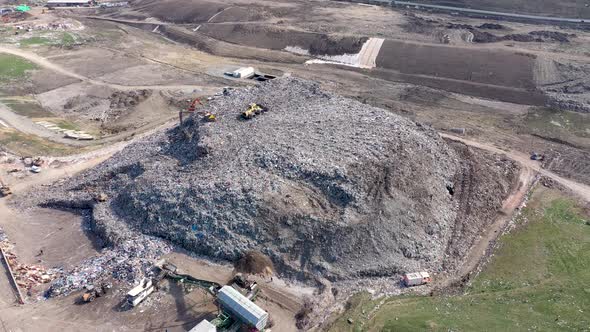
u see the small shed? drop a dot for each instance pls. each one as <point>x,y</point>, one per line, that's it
<point>244,72</point>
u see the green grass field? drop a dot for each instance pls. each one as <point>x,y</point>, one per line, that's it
<point>567,126</point>
<point>28,145</point>
<point>538,280</point>
<point>26,108</point>
<point>35,41</point>
<point>13,67</point>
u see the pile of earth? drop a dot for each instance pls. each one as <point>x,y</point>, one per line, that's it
<point>321,184</point>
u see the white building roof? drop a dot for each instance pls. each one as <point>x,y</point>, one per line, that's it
<point>68,1</point>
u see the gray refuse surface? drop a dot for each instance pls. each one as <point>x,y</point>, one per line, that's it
<point>324,185</point>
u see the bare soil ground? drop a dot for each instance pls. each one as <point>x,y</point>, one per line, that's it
<point>482,66</point>
<point>569,8</point>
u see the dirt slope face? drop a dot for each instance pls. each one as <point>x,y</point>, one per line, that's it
<point>320,183</point>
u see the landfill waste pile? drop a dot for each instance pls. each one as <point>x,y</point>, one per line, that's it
<point>129,261</point>
<point>323,185</point>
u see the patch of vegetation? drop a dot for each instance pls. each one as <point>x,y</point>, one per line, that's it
<point>32,41</point>
<point>13,67</point>
<point>64,124</point>
<point>567,126</point>
<point>23,144</point>
<point>538,280</point>
<point>26,108</point>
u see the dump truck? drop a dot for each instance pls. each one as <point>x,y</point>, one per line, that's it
<point>416,279</point>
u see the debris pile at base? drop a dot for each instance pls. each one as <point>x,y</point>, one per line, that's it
<point>321,184</point>
<point>254,262</point>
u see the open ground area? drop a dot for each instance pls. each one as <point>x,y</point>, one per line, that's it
<point>282,165</point>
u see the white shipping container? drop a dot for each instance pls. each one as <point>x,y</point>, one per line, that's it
<point>241,307</point>
<point>415,279</point>
<point>244,72</point>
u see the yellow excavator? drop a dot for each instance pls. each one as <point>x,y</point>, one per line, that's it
<point>253,110</point>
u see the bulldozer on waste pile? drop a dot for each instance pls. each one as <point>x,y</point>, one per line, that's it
<point>253,110</point>
<point>92,292</point>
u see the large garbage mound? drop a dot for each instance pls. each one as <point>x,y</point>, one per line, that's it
<point>319,183</point>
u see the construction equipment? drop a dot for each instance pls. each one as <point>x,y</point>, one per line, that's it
<point>537,156</point>
<point>140,292</point>
<point>253,110</point>
<point>416,279</point>
<point>169,271</point>
<point>209,117</point>
<point>4,189</point>
<point>191,108</point>
<point>250,287</point>
<point>93,292</point>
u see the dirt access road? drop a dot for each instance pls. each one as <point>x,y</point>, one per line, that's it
<point>43,62</point>
<point>484,244</point>
<point>582,190</point>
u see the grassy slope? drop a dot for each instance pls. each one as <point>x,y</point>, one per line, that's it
<point>13,67</point>
<point>567,126</point>
<point>538,280</point>
<point>28,145</point>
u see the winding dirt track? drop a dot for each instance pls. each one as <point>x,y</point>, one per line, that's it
<point>582,190</point>
<point>41,61</point>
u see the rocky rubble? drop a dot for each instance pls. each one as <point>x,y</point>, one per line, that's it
<point>323,185</point>
<point>127,262</point>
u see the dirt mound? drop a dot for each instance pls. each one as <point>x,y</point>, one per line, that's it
<point>179,11</point>
<point>275,38</point>
<point>321,184</point>
<point>254,262</point>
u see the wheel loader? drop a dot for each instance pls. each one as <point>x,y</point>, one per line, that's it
<point>93,292</point>
<point>253,110</point>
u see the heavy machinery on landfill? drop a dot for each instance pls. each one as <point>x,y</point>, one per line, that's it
<point>92,292</point>
<point>235,301</point>
<point>170,271</point>
<point>253,110</point>
<point>207,116</point>
<point>4,189</point>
